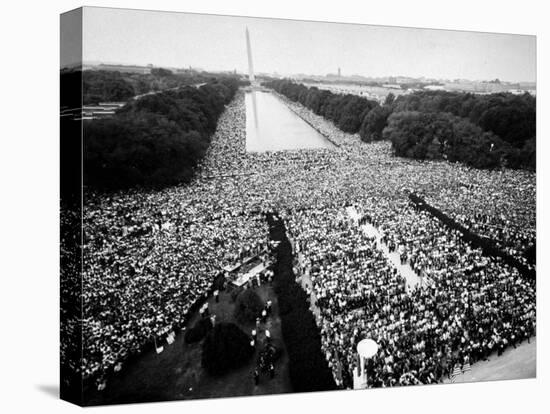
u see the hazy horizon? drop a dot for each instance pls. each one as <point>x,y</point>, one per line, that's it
<point>217,43</point>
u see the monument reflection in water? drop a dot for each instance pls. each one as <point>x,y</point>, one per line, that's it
<point>272,126</point>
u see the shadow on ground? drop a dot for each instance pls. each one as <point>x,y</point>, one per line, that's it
<point>51,390</point>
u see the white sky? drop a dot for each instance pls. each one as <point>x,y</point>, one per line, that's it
<point>287,46</point>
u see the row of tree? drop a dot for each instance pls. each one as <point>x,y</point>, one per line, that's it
<point>105,86</point>
<point>156,140</point>
<point>346,111</point>
<point>433,135</point>
<point>483,131</point>
<point>511,117</point>
<point>112,86</point>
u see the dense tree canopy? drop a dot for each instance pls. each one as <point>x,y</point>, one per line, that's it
<point>155,140</point>
<point>431,135</point>
<point>101,86</point>
<point>483,131</point>
<point>511,117</point>
<point>346,111</point>
<point>503,122</point>
<point>374,123</point>
<point>161,72</point>
<point>112,86</point>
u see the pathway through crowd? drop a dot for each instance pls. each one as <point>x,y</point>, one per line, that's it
<point>307,285</point>
<point>410,276</point>
<point>412,279</point>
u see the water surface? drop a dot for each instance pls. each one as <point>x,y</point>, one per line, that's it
<point>272,126</point>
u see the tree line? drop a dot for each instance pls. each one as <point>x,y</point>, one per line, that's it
<point>112,86</point>
<point>346,111</point>
<point>156,140</point>
<point>482,131</point>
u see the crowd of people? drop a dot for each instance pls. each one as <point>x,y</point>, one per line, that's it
<point>499,206</point>
<point>150,281</point>
<point>475,306</point>
<point>149,256</point>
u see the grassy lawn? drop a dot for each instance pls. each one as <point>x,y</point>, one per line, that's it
<point>176,373</point>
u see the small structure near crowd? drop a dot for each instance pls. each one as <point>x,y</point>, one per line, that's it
<point>366,349</point>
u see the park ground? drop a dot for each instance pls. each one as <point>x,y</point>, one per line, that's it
<point>177,374</point>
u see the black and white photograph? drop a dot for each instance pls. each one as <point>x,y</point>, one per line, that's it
<point>259,206</point>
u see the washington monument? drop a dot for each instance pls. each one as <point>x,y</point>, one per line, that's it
<point>250,66</point>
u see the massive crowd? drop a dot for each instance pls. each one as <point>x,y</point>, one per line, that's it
<point>476,305</point>
<point>150,256</point>
<point>154,264</point>
<point>500,206</point>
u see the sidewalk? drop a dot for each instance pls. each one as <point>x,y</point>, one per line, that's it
<point>519,363</point>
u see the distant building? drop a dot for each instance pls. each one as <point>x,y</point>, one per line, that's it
<point>481,87</point>
<point>339,73</point>
<point>392,86</point>
<point>434,87</point>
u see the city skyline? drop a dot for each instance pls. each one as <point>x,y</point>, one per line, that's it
<point>132,37</point>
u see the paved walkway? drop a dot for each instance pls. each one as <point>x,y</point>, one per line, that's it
<point>519,363</point>
<point>412,279</point>
<point>305,280</point>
